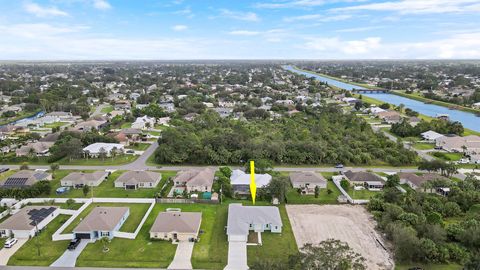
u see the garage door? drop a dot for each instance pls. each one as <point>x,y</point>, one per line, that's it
<point>83,235</point>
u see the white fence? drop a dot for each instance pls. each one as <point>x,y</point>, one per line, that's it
<point>57,236</point>
<point>336,180</point>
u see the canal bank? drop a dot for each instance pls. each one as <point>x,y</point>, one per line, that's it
<point>468,120</point>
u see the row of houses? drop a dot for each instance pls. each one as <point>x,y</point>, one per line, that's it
<point>468,145</point>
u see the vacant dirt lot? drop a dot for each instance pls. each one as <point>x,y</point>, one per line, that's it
<point>347,223</point>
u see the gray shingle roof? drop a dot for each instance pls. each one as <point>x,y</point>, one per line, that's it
<point>101,219</point>
<point>139,177</point>
<point>240,217</point>
<point>180,222</point>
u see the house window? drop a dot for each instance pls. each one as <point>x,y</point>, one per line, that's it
<point>268,225</point>
<point>150,184</point>
<point>251,225</point>
<point>104,234</point>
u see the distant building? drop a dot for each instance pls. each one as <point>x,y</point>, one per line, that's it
<point>241,181</point>
<point>27,221</point>
<point>138,179</point>
<point>96,149</point>
<point>25,178</point>
<point>176,226</point>
<point>307,181</point>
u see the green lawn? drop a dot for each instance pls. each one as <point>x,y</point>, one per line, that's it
<point>126,125</point>
<point>118,160</point>
<point>363,194</point>
<point>49,250</point>
<point>447,156</point>
<point>107,109</point>
<point>293,197</point>
<point>56,124</point>
<point>107,189</point>
<point>139,146</point>
<point>154,133</point>
<point>275,246</point>
<point>137,211</point>
<point>423,146</point>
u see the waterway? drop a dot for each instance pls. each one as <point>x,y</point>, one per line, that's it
<point>468,120</point>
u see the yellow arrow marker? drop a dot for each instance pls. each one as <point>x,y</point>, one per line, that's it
<point>253,185</point>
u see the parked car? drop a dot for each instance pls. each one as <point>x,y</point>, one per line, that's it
<point>339,166</point>
<point>62,190</point>
<point>10,242</point>
<point>74,243</point>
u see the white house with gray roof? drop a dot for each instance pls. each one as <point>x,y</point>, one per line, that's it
<point>243,219</point>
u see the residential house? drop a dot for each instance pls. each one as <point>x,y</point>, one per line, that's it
<point>224,112</point>
<point>176,226</point>
<point>243,219</point>
<point>28,221</point>
<point>25,178</point>
<point>241,181</point>
<point>431,135</point>
<point>417,182</point>
<point>200,180</point>
<point>96,149</point>
<point>80,179</point>
<point>138,179</point>
<point>190,117</point>
<point>90,125</point>
<point>101,222</point>
<point>61,116</point>
<point>470,145</point>
<point>39,149</point>
<point>144,122</point>
<point>307,181</point>
<point>163,121</point>
<point>390,117</point>
<point>122,105</point>
<point>129,135</point>
<point>366,179</point>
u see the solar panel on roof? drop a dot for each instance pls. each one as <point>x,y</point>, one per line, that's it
<point>15,181</point>
<point>38,215</point>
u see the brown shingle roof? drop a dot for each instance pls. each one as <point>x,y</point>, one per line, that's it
<point>180,222</point>
<point>102,219</point>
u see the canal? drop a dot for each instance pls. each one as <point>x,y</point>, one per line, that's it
<point>468,120</point>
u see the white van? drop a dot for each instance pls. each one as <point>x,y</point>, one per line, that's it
<point>10,242</point>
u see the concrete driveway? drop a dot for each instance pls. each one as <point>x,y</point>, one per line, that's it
<point>237,256</point>
<point>182,256</point>
<point>69,257</point>
<point>6,253</point>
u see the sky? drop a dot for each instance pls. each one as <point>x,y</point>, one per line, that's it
<point>240,29</point>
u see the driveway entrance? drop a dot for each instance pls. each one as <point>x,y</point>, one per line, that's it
<point>182,256</point>
<point>69,257</point>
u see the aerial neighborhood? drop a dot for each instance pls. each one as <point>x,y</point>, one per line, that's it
<point>148,165</point>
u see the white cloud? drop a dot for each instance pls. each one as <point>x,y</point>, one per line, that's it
<point>300,3</point>
<point>459,46</point>
<point>242,16</point>
<point>318,18</point>
<point>40,11</point>
<point>38,30</point>
<point>419,6</point>
<point>179,27</point>
<point>244,33</point>
<point>101,4</point>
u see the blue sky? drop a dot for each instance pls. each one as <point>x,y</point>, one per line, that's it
<point>246,29</point>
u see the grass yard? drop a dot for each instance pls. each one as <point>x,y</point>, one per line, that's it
<point>49,250</point>
<point>363,194</point>
<point>126,125</point>
<point>7,174</point>
<point>276,246</point>
<point>137,211</point>
<point>139,146</point>
<point>210,252</point>
<point>154,133</point>
<point>447,156</point>
<point>107,189</point>
<point>293,197</point>
<point>107,109</point>
<point>55,125</point>
<point>424,146</point>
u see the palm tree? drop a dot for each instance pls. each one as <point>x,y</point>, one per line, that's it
<point>105,241</point>
<point>53,168</point>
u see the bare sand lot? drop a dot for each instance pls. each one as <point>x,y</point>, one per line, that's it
<point>347,223</point>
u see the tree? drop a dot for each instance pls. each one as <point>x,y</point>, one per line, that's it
<point>393,180</point>
<point>345,184</point>
<point>102,153</point>
<point>261,166</point>
<point>317,191</point>
<point>53,168</point>
<point>330,255</point>
<point>105,241</point>
<point>226,171</point>
<point>24,166</point>
<point>85,189</point>
<point>70,202</point>
<point>278,188</point>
